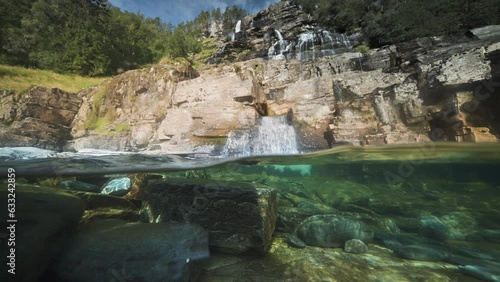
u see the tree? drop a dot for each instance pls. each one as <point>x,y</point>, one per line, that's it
<point>202,23</point>
<point>13,48</point>
<point>231,16</point>
<point>216,14</point>
<point>67,36</point>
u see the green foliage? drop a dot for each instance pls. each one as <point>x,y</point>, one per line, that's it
<point>86,37</point>
<point>208,48</point>
<point>231,16</point>
<point>363,48</point>
<point>93,38</point>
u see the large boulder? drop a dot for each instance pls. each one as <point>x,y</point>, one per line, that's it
<point>332,231</point>
<point>114,250</point>
<point>343,192</point>
<point>45,218</point>
<point>239,217</point>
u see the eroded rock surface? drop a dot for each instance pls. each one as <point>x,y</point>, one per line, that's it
<point>39,117</point>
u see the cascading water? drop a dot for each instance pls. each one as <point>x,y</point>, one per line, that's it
<point>310,45</point>
<point>279,49</point>
<point>271,136</point>
<point>237,30</point>
<point>305,42</point>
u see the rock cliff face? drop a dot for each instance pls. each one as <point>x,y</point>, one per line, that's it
<point>406,93</point>
<point>282,30</point>
<point>39,117</point>
<point>437,88</point>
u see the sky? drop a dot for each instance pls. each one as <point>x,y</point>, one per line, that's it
<point>185,10</point>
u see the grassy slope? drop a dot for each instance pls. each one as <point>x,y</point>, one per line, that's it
<point>208,48</point>
<point>19,79</point>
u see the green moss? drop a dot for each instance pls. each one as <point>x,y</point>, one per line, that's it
<point>259,68</point>
<point>91,121</point>
<point>242,53</point>
<point>101,124</point>
<point>122,127</point>
<point>95,119</point>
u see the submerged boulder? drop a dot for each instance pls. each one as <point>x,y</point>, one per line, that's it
<point>355,246</point>
<point>114,250</point>
<point>117,187</point>
<point>240,217</point>
<point>337,193</point>
<point>332,231</point>
<point>45,219</point>
<point>79,186</point>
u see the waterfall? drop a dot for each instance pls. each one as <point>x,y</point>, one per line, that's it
<point>279,49</point>
<point>304,43</point>
<point>271,136</point>
<point>237,28</point>
<point>310,45</point>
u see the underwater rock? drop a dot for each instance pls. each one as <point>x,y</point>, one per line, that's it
<point>45,218</point>
<point>479,263</point>
<point>289,218</point>
<point>453,226</point>
<point>389,225</point>
<point>412,247</point>
<point>416,252</point>
<point>139,184</point>
<point>79,186</point>
<point>287,263</point>
<point>107,213</point>
<point>331,231</point>
<point>110,250</point>
<point>355,246</point>
<point>478,253</point>
<point>337,193</point>
<point>434,228</point>
<point>483,273</point>
<point>97,201</point>
<point>489,235</point>
<point>294,241</point>
<point>117,187</point>
<point>240,217</point>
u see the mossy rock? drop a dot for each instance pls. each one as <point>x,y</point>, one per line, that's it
<point>342,192</point>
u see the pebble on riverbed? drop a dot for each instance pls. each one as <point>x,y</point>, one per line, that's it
<point>355,246</point>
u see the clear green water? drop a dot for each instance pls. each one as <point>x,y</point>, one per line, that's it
<point>431,212</point>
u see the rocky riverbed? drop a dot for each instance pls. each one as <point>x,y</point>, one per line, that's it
<point>349,214</point>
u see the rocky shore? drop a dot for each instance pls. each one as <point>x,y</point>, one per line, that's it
<point>436,88</point>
